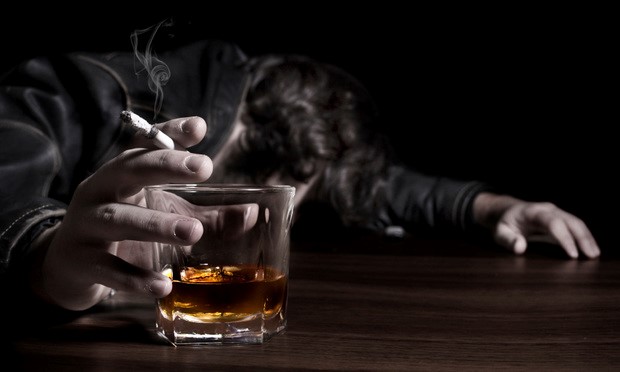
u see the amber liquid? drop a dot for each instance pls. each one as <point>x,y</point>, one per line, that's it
<point>224,294</point>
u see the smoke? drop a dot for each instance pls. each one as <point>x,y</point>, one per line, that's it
<point>158,72</point>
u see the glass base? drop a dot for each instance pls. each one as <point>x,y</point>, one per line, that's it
<point>248,331</point>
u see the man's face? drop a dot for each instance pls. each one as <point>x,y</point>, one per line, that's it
<point>227,168</point>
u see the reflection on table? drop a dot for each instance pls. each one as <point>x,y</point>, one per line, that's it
<point>415,304</point>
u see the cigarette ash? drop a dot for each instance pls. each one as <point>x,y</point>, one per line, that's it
<point>136,122</point>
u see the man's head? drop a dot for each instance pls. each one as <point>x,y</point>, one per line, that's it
<point>311,125</point>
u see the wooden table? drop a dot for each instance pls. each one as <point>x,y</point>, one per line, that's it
<point>424,305</point>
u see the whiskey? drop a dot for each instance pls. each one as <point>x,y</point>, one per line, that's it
<point>224,293</point>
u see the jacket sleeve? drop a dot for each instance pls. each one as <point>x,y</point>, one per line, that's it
<point>46,119</point>
<point>418,202</point>
<point>59,122</point>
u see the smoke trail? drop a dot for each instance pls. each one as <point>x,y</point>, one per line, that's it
<point>158,72</point>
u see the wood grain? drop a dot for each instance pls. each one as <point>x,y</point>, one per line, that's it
<point>352,311</point>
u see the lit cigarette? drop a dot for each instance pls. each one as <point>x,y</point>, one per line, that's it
<point>148,130</point>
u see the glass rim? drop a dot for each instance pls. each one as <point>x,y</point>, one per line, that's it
<point>221,187</point>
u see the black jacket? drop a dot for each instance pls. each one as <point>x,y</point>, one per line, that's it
<point>59,121</point>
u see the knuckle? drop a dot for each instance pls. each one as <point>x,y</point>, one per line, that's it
<point>163,159</point>
<point>542,208</point>
<point>127,282</point>
<point>544,212</point>
<point>548,205</point>
<point>124,158</point>
<point>556,224</point>
<point>152,223</point>
<point>107,214</point>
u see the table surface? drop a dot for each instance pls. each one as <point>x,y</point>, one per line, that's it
<point>426,305</point>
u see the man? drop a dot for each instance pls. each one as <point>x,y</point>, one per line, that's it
<point>72,215</point>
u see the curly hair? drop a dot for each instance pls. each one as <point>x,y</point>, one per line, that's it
<point>305,119</point>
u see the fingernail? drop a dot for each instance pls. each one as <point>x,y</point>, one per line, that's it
<point>183,229</point>
<point>194,162</point>
<point>160,288</point>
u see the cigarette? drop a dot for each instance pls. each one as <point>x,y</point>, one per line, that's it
<point>149,131</point>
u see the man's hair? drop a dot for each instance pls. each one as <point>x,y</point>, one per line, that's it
<point>306,118</point>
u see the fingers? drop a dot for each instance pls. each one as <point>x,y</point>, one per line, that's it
<point>565,229</point>
<point>229,221</point>
<point>126,174</point>
<point>128,222</point>
<point>217,220</point>
<point>561,233</point>
<point>582,235</point>
<point>81,257</point>
<point>74,273</point>
<point>510,238</point>
<point>548,223</point>
<point>129,172</point>
<point>117,221</point>
<point>185,132</point>
<point>113,272</point>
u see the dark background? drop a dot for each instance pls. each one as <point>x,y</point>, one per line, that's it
<point>517,97</point>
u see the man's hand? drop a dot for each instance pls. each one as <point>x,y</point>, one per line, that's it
<point>104,239</point>
<point>514,222</point>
